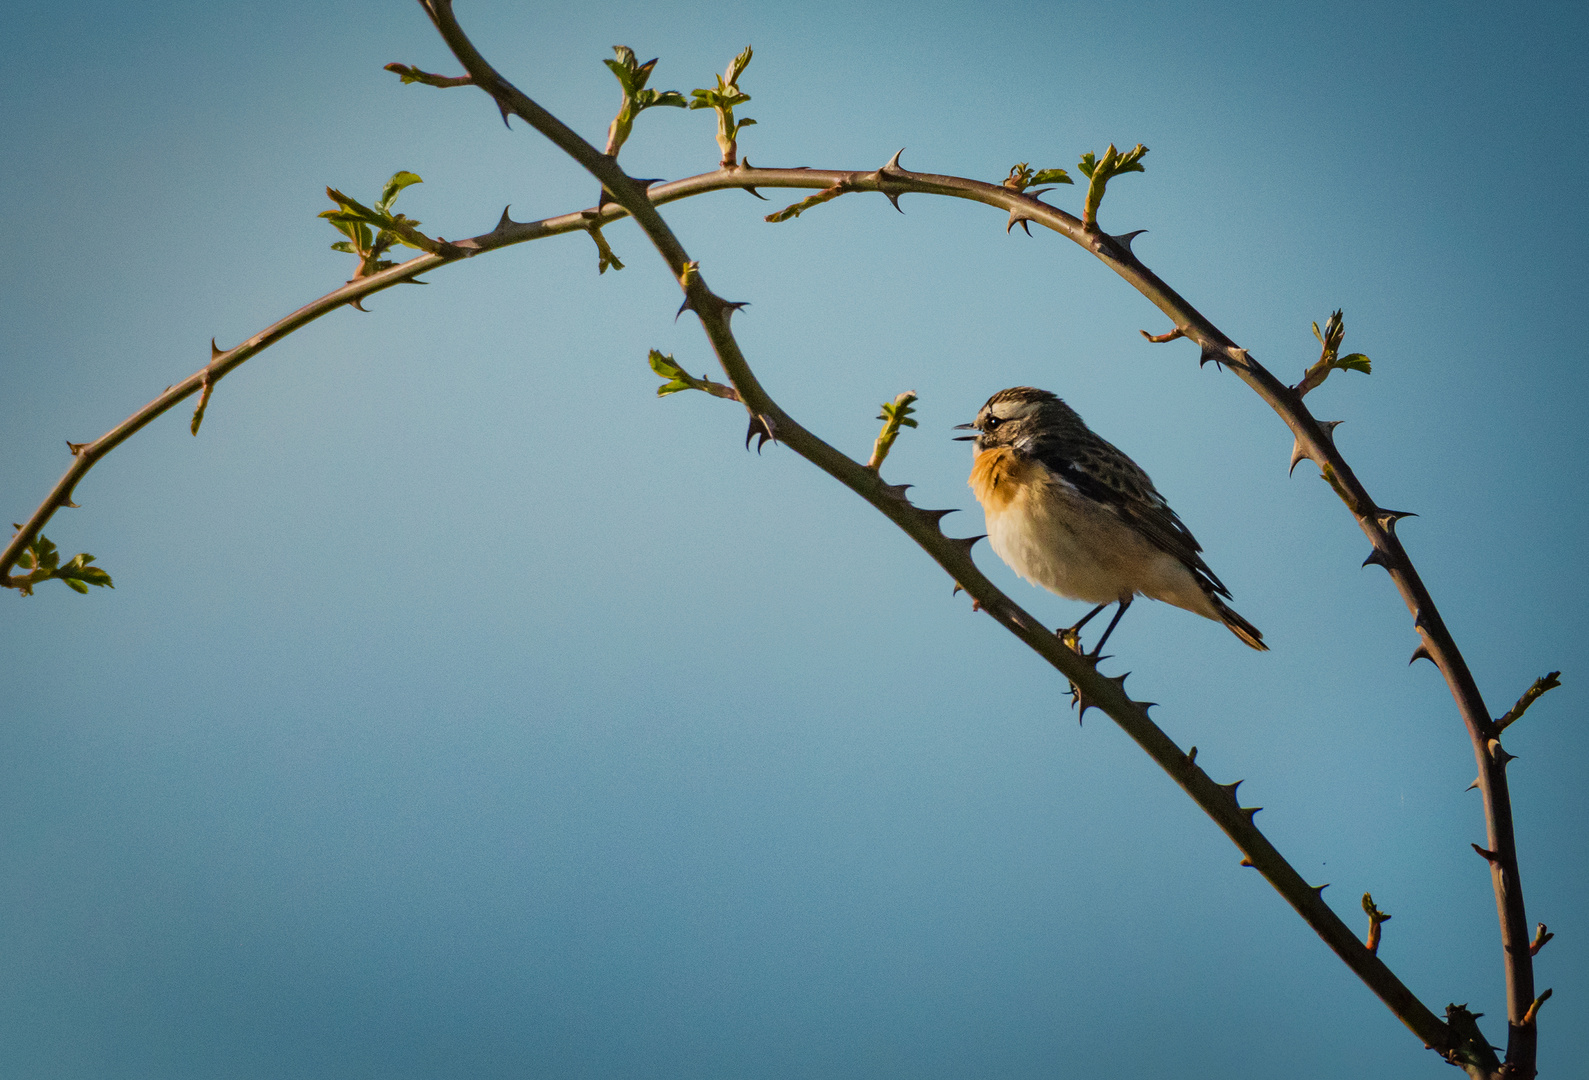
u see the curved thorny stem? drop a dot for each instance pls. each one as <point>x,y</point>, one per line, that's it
<point>1459,1040</point>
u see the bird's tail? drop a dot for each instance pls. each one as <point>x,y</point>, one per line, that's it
<point>1238,625</point>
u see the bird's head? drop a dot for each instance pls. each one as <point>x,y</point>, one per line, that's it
<point>1013,416</point>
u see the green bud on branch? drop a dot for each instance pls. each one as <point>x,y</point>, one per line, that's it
<point>895,415</point>
<point>1329,360</point>
<point>1022,177</point>
<point>633,76</point>
<point>679,379</point>
<point>43,561</point>
<point>372,232</point>
<point>1099,171</point>
<point>723,99</point>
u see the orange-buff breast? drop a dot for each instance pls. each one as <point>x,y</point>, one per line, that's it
<point>998,476</point>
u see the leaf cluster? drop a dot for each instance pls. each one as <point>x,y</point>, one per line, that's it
<point>895,415</point>
<point>1022,177</point>
<point>43,561</point>
<point>371,233</point>
<point>679,379</point>
<point>724,98</point>
<point>633,76</point>
<point>1329,355</point>
<point>1100,170</point>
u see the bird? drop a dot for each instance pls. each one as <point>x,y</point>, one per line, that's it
<point>1072,513</point>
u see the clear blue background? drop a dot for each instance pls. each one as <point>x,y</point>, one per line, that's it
<point>463,710</point>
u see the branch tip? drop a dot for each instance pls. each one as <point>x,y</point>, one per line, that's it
<point>1160,339</point>
<point>1542,684</point>
<point>1533,1010</point>
<point>1541,936</point>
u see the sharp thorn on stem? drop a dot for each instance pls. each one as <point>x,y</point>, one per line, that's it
<point>505,221</point>
<point>752,190</point>
<point>1298,452</point>
<point>1388,518</point>
<point>216,352</point>
<point>1210,353</point>
<point>1421,653</point>
<point>1018,218</point>
<point>1489,856</point>
<point>1376,557</point>
<point>1124,240</point>
<point>1329,426</point>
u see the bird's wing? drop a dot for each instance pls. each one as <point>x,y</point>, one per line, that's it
<point>1099,471</point>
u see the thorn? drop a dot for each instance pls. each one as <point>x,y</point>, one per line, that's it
<point>1079,701</point>
<point>966,542</point>
<point>957,590</point>
<point>762,428</point>
<point>354,303</point>
<point>1540,937</point>
<point>1231,789</point>
<point>756,193</point>
<point>1421,653</point>
<point>76,448</point>
<point>216,352</point>
<point>1473,785</point>
<point>1119,680</point>
<point>1246,861</point>
<point>1211,353</point>
<point>503,109</point>
<point>1145,706</point>
<point>1250,811</point>
<point>1297,454</point>
<point>1489,855</point>
<point>69,504</point>
<point>1387,518</point>
<point>1376,557</point>
<point>893,163</point>
<point>1533,1010</point>
<point>1502,758</point>
<point>1191,756</point>
<point>1017,218</point>
<point>1329,427</point>
<point>732,306</point>
<point>1319,889</point>
<point>506,221</point>
<point>937,516</point>
<point>688,305</point>
<point>897,491</point>
<point>1124,240</point>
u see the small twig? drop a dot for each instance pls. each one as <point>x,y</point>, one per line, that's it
<point>413,74</point>
<point>1531,695</point>
<point>825,195</point>
<point>1375,918</point>
<point>895,414</point>
<point>1160,339</point>
<point>1533,1010</point>
<point>1541,936</point>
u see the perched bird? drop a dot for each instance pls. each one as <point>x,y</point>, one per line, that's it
<point>1070,512</point>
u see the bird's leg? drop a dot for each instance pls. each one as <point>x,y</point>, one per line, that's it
<point>1125,602</point>
<point>1072,637</point>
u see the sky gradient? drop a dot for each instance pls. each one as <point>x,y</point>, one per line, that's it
<point>464,710</point>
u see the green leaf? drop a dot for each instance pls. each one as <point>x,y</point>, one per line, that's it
<point>75,585</point>
<point>665,366</point>
<point>394,187</point>
<point>1355,362</point>
<point>1052,176</point>
<point>343,245</point>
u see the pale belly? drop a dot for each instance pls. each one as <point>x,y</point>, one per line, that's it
<point>1069,545</point>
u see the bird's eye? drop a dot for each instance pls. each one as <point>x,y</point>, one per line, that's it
<point>991,422</point>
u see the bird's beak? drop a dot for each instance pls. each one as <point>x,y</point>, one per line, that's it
<point>965,427</point>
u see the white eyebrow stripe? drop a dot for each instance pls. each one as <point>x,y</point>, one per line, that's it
<point>1011,410</point>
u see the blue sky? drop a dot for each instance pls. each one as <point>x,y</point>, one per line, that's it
<point>464,710</point>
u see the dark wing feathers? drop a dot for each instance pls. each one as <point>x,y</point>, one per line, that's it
<point>1100,472</point>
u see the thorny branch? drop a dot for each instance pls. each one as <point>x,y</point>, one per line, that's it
<point>1460,1041</point>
